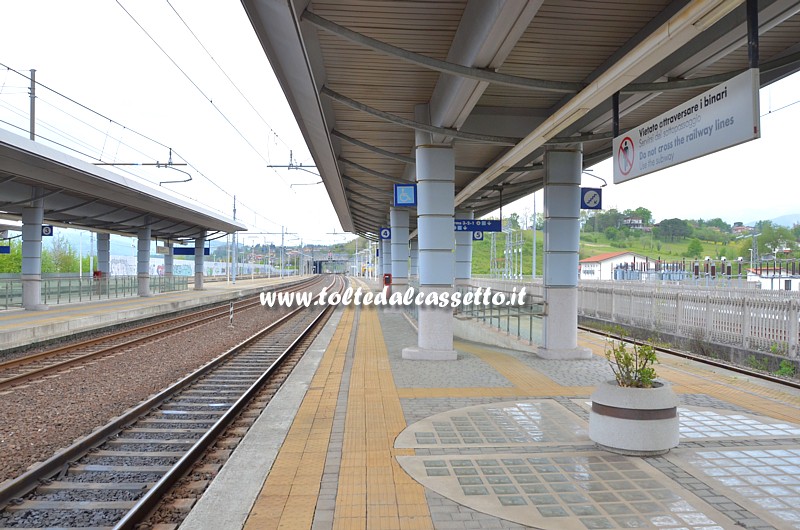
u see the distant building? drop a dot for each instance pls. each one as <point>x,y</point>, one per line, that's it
<point>739,228</point>
<point>602,266</point>
<point>634,223</point>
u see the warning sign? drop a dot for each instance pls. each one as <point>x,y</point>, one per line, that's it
<point>721,117</point>
<point>626,155</point>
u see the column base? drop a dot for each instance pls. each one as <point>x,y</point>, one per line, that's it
<point>415,353</point>
<point>566,354</point>
<point>38,307</point>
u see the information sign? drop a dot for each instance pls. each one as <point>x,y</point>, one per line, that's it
<point>721,117</point>
<point>478,225</point>
<point>386,233</point>
<point>405,194</point>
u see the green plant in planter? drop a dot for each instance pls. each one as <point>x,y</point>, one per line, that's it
<point>632,367</point>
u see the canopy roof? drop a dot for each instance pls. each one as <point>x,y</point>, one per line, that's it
<point>497,79</point>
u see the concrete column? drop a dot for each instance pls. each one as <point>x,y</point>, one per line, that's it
<point>561,241</point>
<point>169,260</point>
<point>143,261</point>
<point>199,260</point>
<point>463,252</point>
<point>435,208</point>
<point>413,271</point>
<point>386,258</point>
<point>32,219</point>
<point>104,254</point>
<point>103,261</point>
<point>399,222</point>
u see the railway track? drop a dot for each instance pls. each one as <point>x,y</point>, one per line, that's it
<point>20,369</point>
<point>758,374</point>
<point>117,475</point>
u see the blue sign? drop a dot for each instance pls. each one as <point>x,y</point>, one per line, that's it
<point>5,249</point>
<point>386,233</point>
<point>477,235</point>
<point>405,194</point>
<point>47,230</point>
<point>591,199</point>
<point>188,251</point>
<point>478,225</point>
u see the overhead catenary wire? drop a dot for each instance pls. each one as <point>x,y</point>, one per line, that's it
<point>211,101</point>
<point>226,74</point>
<point>89,156</point>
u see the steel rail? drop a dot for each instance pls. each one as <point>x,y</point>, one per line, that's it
<point>64,350</point>
<point>33,477</point>
<point>703,360</point>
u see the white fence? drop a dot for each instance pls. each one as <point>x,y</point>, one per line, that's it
<point>753,319</point>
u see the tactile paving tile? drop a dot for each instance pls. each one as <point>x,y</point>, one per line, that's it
<point>583,490</point>
<point>512,423</point>
<point>766,480</point>
<point>696,423</point>
<point>703,423</point>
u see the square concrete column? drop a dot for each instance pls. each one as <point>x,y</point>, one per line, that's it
<point>435,209</point>
<point>169,260</point>
<point>561,245</point>
<point>413,271</point>
<point>386,258</point>
<point>143,261</point>
<point>32,219</point>
<point>398,219</point>
<point>103,261</point>
<point>104,254</point>
<point>463,251</point>
<point>199,260</point>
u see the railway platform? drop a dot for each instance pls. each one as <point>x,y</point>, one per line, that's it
<point>19,327</point>
<point>361,438</point>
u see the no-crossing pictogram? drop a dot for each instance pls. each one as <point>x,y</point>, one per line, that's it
<point>625,155</point>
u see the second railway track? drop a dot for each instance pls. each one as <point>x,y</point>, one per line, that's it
<point>17,370</point>
<point>118,474</point>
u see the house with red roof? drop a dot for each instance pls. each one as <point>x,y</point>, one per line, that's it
<point>602,266</point>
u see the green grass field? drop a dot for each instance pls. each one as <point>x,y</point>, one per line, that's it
<point>592,244</point>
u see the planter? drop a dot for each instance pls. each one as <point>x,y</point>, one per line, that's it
<point>634,421</point>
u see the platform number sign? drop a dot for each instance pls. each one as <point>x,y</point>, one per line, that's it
<point>47,230</point>
<point>386,233</point>
<point>477,235</point>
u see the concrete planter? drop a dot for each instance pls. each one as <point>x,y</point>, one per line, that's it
<point>634,421</point>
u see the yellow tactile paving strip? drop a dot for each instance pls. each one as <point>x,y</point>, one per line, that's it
<point>289,495</point>
<point>374,492</point>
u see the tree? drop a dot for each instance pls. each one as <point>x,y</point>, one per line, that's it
<point>672,228</point>
<point>60,257</point>
<point>12,262</point>
<point>512,221</point>
<point>642,213</point>
<point>694,249</point>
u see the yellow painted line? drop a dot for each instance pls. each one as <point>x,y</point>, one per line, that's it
<point>528,381</point>
<point>288,498</point>
<point>374,492</point>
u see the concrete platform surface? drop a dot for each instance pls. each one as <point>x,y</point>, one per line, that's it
<point>19,327</point>
<point>497,439</point>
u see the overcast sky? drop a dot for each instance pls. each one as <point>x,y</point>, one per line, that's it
<point>95,53</point>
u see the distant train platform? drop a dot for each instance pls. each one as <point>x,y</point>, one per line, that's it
<point>361,438</point>
<point>19,327</point>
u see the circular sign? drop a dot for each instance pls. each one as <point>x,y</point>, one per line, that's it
<point>386,233</point>
<point>625,156</point>
<point>477,236</point>
<point>47,230</point>
<point>591,198</point>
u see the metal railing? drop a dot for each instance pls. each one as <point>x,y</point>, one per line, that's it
<point>66,290</point>
<point>514,316</point>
